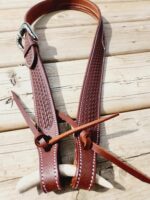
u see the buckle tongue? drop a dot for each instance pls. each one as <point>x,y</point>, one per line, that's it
<point>25,27</point>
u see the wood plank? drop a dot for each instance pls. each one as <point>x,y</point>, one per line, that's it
<point>128,11</point>
<point>122,38</point>
<point>117,136</point>
<point>17,4</point>
<point>8,192</point>
<point>125,186</point>
<point>126,87</point>
<point>28,3</point>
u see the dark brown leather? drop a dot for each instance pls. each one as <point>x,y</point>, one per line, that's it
<point>85,139</point>
<point>89,106</point>
<point>89,103</point>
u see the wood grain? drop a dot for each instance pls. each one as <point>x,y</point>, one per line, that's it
<point>8,192</point>
<point>126,87</point>
<point>126,187</point>
<point>67,37</point>
<point>28,3</point>
<point>110,13</point>
<point>127,136</point>
<point>59,44</point>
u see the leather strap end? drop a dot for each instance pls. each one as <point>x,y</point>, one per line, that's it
<point>30,51</point>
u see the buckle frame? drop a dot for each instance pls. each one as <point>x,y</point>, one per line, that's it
<point>25,27</point>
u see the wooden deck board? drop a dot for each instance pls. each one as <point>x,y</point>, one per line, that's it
<point>116,136</point>
<point>28,3</point>
<point>122,38</point>
<point>67,37</point>
<point>126,188</point>
<point>124,87</point>
<point>109,10</point>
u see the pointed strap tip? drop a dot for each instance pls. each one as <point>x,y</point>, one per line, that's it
<point>14,94</point>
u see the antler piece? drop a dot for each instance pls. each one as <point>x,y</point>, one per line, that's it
<point>33,179</point>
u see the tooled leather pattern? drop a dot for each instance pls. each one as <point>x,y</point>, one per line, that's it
<point>46,120</point>
<point>29,52</point>
<point>89,109</point>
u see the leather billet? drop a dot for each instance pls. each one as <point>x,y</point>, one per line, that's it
<point>46,126</point>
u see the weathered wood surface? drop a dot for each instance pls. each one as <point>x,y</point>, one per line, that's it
<point>126,187</point>
<point>116,135</point>
<point>119,135</point>
<point>109,10</point>
<point>28,3</point>
<point>126,87</point>
<point>122,38</point>
<point>67,37</point>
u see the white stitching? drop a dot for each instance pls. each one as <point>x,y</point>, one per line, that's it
<point>41,169</point>
<point>80,165</point>
<point>79,121</point>
<point>55,168</point>
<point>54,160</point>
<point>93,166</point>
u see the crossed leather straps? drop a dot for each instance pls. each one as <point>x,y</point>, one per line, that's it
<point>85,129</point>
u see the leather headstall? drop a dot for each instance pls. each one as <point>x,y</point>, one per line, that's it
<point>86,128</point>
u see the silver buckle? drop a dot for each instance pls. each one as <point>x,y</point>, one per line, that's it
<point>25,27</point>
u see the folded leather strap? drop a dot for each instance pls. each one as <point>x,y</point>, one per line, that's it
<point>44,107</point>
<point>89,106</point>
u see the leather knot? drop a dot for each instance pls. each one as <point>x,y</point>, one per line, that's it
<point>86,140</point>
<point>43,141</point>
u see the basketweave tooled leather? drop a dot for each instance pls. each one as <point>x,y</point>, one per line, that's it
<point>86,141</point>
<point>45,118</point>
<point>89,110</point>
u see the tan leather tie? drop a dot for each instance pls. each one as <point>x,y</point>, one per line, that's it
<point>86,129</point>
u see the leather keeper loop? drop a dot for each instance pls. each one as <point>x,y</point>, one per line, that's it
<point>42,142</point>
<point>30,52</point>
<point>86,140</point>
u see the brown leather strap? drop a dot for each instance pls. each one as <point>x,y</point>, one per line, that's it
<point>47,121</point>
<point>45,112</point>
<point>89,110</point>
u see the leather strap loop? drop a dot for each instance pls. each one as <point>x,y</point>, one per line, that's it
<point>86,140</point>
<point>30,51</point>
<point>40,88</point>
<point>42,141</point>
<point>47,6</point>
